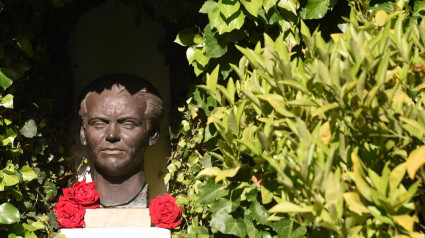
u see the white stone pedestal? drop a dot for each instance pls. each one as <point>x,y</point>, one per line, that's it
<point>117,222</point>
<point>128,232</point>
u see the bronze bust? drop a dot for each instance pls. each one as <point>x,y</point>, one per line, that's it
<point>120,117</point>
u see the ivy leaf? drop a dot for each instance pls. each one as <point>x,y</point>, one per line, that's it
<point>208,7</point>
<point>228,7</point>
<point>10,177</point>
<point>226,24</point>
<point>29,129</point>
<point>185,37</point>
<point>7,101</point>
<point>50,190</point>
<point>5,81</point>
<point>316,9</point>
<point>252,6</point>
<point>222,205</point>
<point>259,213</point>
<point>284,229</point>
<point>226,224</point>
<point>290,5</point>
<point>210,192</point>
<point>28,173</point>
<point>214,49</point>
<point>253,231</point>
<point>200,57</point>
<point>8,213</point>
<point>269,4</point>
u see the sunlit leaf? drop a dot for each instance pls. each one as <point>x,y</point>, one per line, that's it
<point>8,213</point>
<point>415,160</point>
<point>252,6</point>
<point>288,207</point>
<point>354,203</point>
<point>29,129</point>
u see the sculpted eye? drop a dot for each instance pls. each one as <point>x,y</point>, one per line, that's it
<point>129,125</point>
<point>98,124</point>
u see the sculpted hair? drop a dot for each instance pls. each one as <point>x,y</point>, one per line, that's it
<point>132,84</point>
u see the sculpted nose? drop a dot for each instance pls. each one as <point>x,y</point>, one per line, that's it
<point>113,133</point>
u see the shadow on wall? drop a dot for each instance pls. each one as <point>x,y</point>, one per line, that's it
<point>107,40</point>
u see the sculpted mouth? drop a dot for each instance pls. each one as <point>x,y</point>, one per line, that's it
<point>112,150</point>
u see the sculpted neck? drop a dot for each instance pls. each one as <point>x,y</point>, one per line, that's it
<point>118,191</point>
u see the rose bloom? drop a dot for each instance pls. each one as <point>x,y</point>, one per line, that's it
<point>69,213</point>
<point>83,193</point>
<point>165,212</point>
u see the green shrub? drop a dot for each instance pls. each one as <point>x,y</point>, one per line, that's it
<point>35,105</point>
<point>328,136</point>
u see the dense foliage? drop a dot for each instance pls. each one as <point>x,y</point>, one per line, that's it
<point>318,134</point>
<point>308,121</point>
<point>35,80</point>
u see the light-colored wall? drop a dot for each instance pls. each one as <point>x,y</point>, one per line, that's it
<point>107,40</point>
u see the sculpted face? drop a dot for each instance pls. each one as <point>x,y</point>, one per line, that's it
<point>117,131</point>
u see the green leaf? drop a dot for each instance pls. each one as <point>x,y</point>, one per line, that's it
<point>354,203</point>
<point>415,160</point>
<point>8,213</point>
<point>269,4</point>
<point>221,205</point>
<point>276,101</point>
<point>288,207</point>
<point>397,175</point>
<point>28,173</point>
<point>416,125</point>
<point>7,101</point>
<point>223,25</point>
<point>210,192</point>
<point>34,226</point>
<point>259,213</point>
<point>252,231</point>
<point>226,224</point>
<point>299,232</point>
<point>50,190</point>
<point>252,6</point>
<point>5,81</point>
<point>208,7</point>
<point>212,79</point>
<point>386,6</point>
<point>290,5</point>
<point>228,7</point>
<point>200,57</point>
<point>218,173</point>
<point>382,68</point>
<point>214,49</point>
<point>29,129</point>
<point>185,37</point>
<point>315,9</point>
<point>10,178</point>
<point>284,228</point>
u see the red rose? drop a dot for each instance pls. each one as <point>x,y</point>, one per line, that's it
<point>165,212</point>
<point>83,193</point>
<point>69,213</point>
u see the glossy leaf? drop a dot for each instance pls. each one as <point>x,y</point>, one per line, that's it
<point>8,213</point>
<point>415,160</point>
<point>29,129</point>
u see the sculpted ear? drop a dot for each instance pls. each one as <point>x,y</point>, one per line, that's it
<point>83,136</point>
<point>153,138</point>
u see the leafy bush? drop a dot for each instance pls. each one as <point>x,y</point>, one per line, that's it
<point>36,103</point>
<point>323,135</point>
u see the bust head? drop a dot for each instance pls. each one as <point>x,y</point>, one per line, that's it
<point>120,117</point>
